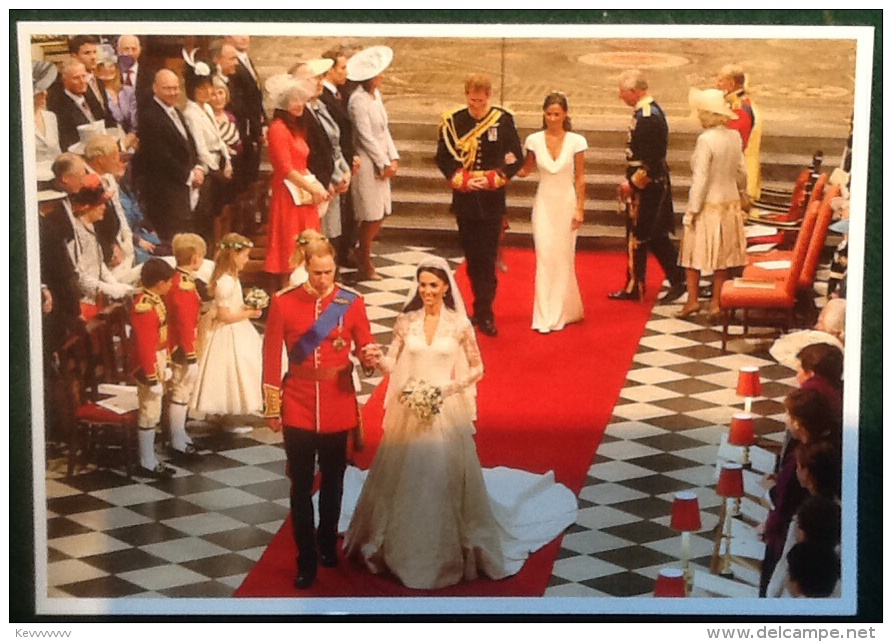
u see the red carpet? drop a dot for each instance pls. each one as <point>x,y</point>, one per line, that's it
<point>544,403</point>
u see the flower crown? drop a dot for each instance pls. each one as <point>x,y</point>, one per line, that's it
<point>303,241</point>
<point>234,245</point>
<point>199,68</point>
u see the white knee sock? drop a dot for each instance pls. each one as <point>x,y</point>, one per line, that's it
<point>147,457</point>
<point>177,416</point>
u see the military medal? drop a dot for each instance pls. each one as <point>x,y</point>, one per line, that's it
<point>492,134</point>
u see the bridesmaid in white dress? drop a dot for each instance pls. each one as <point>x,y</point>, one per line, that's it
<point>229,368</point>
<point>427,512</point>
<point>558,212</point>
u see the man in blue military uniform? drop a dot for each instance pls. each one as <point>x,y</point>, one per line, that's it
<point>647,193</point>
<point>479,151</point>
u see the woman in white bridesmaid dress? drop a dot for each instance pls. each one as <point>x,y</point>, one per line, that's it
<point>558,212</point>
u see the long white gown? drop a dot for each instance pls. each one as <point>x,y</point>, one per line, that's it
<point>557,301</point>
<point>426,511</point>
<point>230,359</point>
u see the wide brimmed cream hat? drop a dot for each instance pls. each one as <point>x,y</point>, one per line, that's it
<point>369,63</point>
<point>313,68</point>
<point>89,131</point>
<point>711,100</point>
<point>282,86</point>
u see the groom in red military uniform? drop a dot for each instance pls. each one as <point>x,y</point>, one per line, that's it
<point>316,402</point>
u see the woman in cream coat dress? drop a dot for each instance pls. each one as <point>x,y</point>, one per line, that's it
<point>378,158</point>
<point>46,127</point>
<point>714,239</point>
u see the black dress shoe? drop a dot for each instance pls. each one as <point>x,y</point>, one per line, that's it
<point>328,560</point>
<point>189,454</point>
<point>488,327</point>
<point>622,295</point>
<point>158,472</point>
<point>304,579</point>
<point>674,293</point>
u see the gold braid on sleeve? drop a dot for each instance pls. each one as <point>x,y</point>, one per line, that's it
<point>272,400</point>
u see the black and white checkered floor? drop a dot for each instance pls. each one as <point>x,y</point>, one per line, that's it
<point>199,533</point>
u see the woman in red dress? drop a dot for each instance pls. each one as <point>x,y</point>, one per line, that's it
<point>288,153</point>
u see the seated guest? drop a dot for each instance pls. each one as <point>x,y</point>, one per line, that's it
<point>146,243</point>
<point>46,127</point>
<point>810,419</point>
<point>213,154</point>
<point>820,368</point>
<point>813,570</point>
<point>830,328</point>
<point>96,283</point>
<point>103,156</point>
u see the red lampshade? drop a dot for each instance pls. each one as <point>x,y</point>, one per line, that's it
<point>730,480</point>
<point>685,512</point>
<point>741,433</point>
<point>748,382</point>
<point>670,583</point>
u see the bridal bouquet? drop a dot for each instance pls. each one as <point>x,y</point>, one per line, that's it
<point>423,399</point>
<point>256,298</point>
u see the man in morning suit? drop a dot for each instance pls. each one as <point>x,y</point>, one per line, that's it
<point>71,106</point>
<point>246,104</point>
<point>647,193</point>
<point>315,404</point>
<point>335,100</point>
<point>478,152</point>
<point>168,160</point>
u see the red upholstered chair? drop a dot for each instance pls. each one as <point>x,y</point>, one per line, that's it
<point>812,234</point>
<point>94,433</point>
<point>776,298</point>
<point>788,221</point>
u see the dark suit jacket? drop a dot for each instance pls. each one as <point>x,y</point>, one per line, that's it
<point>246,104</point>
<point>165,160</point>
<point>321,159</point>
<point>58,274</point>
<point>338,110</point>
<point>69,116</point>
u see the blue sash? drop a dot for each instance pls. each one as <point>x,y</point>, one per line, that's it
<point>326,322</point>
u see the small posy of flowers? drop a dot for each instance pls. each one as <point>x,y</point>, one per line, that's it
<point>256,298</point>
<point>423,399</point>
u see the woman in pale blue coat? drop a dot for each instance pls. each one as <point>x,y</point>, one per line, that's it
<point>379,159</point>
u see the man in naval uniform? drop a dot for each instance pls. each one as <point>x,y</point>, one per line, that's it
<point>479,151</point>
<point>646,193</point>
<point>315,403</point>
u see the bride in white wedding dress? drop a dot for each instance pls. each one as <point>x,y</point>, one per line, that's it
<point>427,512</point>
<point>558,211</point>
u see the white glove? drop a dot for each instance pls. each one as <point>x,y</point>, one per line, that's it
<point>118,290</point>
<point>688,219</point>
<point>191,375</point>
<point>157,389</point>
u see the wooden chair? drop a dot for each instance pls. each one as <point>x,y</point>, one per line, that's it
<point>117,349</point>
<point>814,237</point>
<point>789,222</point>
<point>95,433</point>
<point>774,297</point>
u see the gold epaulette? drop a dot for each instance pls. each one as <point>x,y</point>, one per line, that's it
<point>351,290</point>
<point>143,305</point>
<point>504,109</point>
<point>645,110</point>
<point>286,290</point>
<point>187,284</point>
<point>452,112</point>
